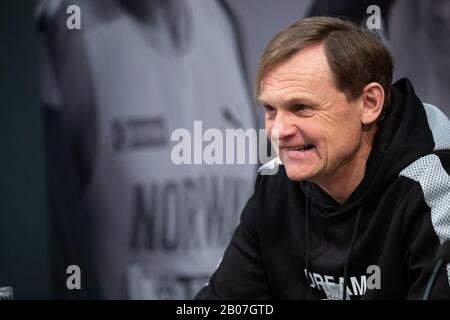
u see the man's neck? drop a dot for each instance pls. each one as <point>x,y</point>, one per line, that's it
<point>347,179</point>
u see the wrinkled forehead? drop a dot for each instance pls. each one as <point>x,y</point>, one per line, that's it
<point>307,72</point>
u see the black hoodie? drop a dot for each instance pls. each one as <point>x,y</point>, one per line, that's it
<point>295,241</point>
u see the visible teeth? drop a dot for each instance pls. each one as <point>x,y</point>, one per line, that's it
<point>302,147</point>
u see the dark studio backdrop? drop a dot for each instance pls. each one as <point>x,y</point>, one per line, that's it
<point>24,245</point>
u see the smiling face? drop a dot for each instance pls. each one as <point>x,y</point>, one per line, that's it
<point>320,131</point>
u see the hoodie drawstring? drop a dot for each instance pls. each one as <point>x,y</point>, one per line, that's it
<point>349,253</point>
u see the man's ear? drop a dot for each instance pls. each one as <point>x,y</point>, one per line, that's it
<point>373,100</point>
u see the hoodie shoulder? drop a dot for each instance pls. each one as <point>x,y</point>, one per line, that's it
<point>432,173</point>
<point>433,170</point>
<point>439,125</point>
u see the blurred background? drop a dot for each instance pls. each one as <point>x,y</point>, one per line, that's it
<point>90,95</point>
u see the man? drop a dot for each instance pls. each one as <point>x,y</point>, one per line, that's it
<point>361,203</point>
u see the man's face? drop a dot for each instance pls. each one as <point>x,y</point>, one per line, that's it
<point>319,130</point>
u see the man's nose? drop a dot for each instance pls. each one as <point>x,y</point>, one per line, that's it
<point>284,126</point>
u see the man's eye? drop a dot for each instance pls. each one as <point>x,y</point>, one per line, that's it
<point>300,107</point>
<point>303,110</point>
<point>269,109</point>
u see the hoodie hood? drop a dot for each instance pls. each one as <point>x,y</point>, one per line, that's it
<point>403,136</point>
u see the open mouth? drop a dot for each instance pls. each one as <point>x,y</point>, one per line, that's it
<point>305,147</point>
